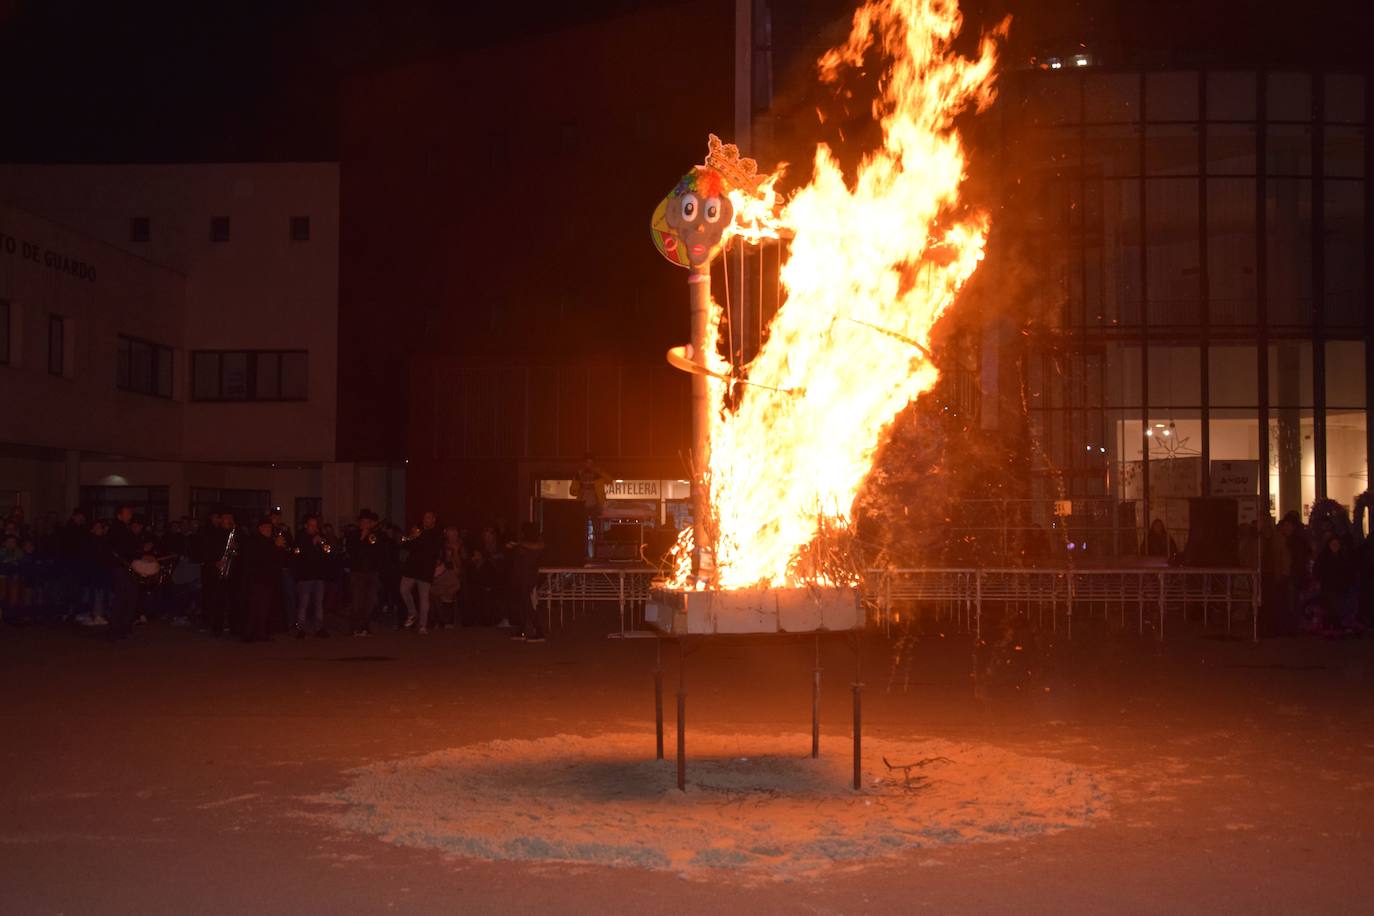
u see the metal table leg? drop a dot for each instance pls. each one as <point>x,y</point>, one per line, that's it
<point>682,717</point>
<point>658,697</point>
<point>816,704</point>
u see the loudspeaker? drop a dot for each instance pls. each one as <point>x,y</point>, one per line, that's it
<point>1213,539</point>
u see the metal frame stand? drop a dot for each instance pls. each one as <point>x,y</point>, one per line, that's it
<point>658,696</point>
<point>858,689</point>
<point>682,716</point>
<point>683,651</point>
<point>816,704</point>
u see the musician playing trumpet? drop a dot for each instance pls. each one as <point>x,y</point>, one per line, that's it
<point>310,564</point>
<point>366,554</point>
<point>264,555</point>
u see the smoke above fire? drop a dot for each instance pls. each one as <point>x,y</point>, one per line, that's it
<point>873,263</point>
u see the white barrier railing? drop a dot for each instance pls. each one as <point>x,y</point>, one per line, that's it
<point>1148,595</point>
<point>574,586</point>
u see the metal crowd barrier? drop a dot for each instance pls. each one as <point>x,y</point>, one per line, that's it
<point>1147,596</point>
<point>571,588</point>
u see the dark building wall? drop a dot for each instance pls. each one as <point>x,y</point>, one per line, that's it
<point>481,436</point>
<point>496,212</point>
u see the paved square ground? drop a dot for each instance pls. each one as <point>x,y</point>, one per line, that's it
<point>175,773</point>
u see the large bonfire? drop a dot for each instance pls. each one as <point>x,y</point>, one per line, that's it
<point>873,264</point>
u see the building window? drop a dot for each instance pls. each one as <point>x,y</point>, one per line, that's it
<point>140,229</point>
<point>148,503</point>
<point>249,375</point>
<point>247,505</point>
<point>57,344</point>
<point>4,332</point>
<point>300,228</point>
<point>144,367</point>
<point>219,228</point>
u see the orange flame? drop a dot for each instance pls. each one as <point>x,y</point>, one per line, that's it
<point>872,267</point>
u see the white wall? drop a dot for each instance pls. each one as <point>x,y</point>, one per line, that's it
<point>82,408</point>
<point>259,290</point>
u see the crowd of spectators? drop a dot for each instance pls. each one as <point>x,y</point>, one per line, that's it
<point>233,575</point>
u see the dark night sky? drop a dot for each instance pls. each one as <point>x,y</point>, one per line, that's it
<point>150,81</point>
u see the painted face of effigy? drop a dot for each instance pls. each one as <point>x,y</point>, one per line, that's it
<point>698,212</point>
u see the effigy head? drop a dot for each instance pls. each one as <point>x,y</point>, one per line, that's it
<point>690,225</point>
<point>699,211</point>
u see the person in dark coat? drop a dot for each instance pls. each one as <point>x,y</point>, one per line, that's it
<point>71,551</point>
<point>1336,577</point>
<point>366,556</point>
<point>124,548</point>
<point>310,565</point>
<point>208,548</point>
<point>424,547</point>
<point>1158,543</point>
<point>263,555</point>
<point>524,565</point>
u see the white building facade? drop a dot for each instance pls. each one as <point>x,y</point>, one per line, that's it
<point>170,340</point>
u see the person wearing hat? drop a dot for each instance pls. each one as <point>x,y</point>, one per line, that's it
<point>365,556</point>
<point>264,556</point>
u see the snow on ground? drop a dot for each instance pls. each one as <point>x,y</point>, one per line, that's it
<point>757,805</point>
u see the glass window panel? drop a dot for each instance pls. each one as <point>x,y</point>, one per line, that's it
<point>122,364</point>
<point>1288,149</point>
<point>234,376</point>
<point>1121,372</point>
<point>1234,436</point>
<point>1230,96</point>
<point>1345,381</point>
<point>1125,445</point>
<point>1231,149</point>
<point>1231,276</point>
<point>1175,376</point>
<point>1111,97</point>
<point>266,376</point>
<point>1234,446</point>
<point>1347,466</point>
<point>1057,146</point>
<point>205,376</point>
<point>1175,444</point>
<point>1233,376</point>
<point>1290,373</point>
<point>1344,152</point>
<point>1052,99</point>
<point>1171,96</point>
<point>1290,97</point>
<point>1171,149</point>
<point>1112,251</point>
<point>1288,224</point>
<point>1172,255</point>
<point>1344,101</point>
<point>294,380</point>
<point>164,371</point>
<point>141,367</point>
<point>1292,461</point>
<point>1113,151</point>
<point>1343,266</point>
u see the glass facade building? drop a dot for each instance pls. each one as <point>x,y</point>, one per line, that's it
<point>1198,247</point>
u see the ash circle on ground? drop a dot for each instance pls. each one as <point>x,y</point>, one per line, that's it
<point>756,805</point>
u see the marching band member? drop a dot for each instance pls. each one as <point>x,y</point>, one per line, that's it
<point>365,555</point>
